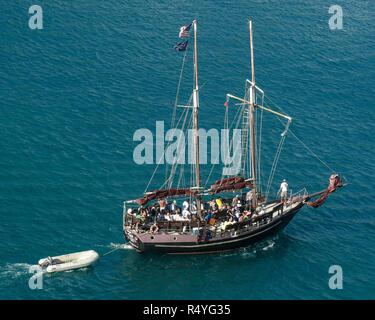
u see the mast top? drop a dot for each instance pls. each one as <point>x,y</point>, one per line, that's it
<point>252,53</point>
<point>195,54</point>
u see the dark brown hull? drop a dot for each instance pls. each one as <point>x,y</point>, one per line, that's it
<point>191,244</point>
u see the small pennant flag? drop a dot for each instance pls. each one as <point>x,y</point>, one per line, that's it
<point>226,103</point>
<point>181,46</point>
<point>184,31</point>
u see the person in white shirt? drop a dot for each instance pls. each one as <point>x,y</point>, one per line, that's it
<point>249,196</point>
<point>168,217</point>
<point>283,191</point>
<point>186,214</point>
<point>185,204</point>
<point>176,217</point>
<point>193,208</point>
<point>235,201</point>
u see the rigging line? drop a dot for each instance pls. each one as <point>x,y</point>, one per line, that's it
<point>260,126</point>
<point>169,180</point>
<point>192,177</point>
<point>193,170</point>
<point>239,112</point>
<point>153,174</point>
<point>274,104</point>
<point>186,111</point>
<point>226,122</point>
<point>247,157</point>
<point>181,179</point>
<point>278,156</point>
<point>271,171</point>
<point>314,154</point>
<point>248,137</point>
<point>159,162</point>
<point>260,149</point>
<point>174,165</point>
<point>276,159</point>
<point>237,125</point>
<point>225,125</point>
<point>173,119</point>
<point>274,165</point>
<point>256,138</point>
<point>178,90</point>
<point>308,149</point>
<point>181,175</point>
<point>244,144</point>
<point>178,123</point>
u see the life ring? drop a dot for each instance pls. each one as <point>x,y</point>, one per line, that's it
<point>154,228</point>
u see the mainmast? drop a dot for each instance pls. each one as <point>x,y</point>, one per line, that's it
<point>195,117</point>
<point>252,121</point>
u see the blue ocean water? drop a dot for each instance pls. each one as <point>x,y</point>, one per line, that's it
<point>73,94</point>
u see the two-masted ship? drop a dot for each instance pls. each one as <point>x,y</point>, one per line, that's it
<point>234,212</point>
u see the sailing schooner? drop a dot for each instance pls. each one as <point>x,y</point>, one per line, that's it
<point>211,221</point>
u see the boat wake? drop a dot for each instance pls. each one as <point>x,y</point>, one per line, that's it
<point>124,246</point>
<point>254,250</point>
<point>14,270</point>
<point>269,246</point>
<point>79,269</point>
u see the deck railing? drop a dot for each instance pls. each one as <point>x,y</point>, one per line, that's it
<point>203,228</point>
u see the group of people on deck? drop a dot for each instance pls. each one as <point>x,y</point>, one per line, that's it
<point>227,212</point>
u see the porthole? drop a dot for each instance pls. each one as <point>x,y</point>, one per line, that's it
<point>152,237</point>
<point>174,238</point>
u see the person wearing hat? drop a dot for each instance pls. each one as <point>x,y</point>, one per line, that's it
<point>283,191</point>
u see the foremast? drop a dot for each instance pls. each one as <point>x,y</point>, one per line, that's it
<point>196,118</point>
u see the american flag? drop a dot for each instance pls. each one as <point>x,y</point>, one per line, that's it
<point>184,31</point>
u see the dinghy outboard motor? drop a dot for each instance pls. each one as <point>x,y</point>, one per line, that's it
<point>47,262</point>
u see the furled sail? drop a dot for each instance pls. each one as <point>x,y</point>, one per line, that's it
<point>232,183</point>
<point>334,183</point>
<point>165,193</point>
